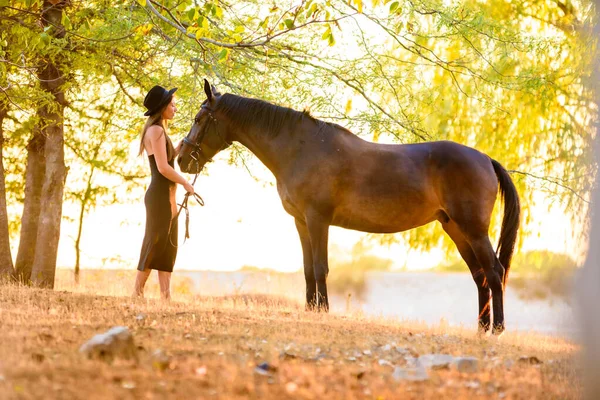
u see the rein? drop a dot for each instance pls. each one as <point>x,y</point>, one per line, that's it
<point>184,206</point>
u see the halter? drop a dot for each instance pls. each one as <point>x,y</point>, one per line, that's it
<point>197,152</point>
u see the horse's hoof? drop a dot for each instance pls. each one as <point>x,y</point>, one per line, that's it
<point>310,308</point>
<point>498,330</point>
<point>483,329</point>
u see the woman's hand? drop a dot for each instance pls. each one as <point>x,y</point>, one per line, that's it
<point>189,188</point>
<point>178,147</point>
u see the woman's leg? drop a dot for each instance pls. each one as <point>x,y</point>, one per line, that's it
<point>140,282</point>
<point>164,280</point>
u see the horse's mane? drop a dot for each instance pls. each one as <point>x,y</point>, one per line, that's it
<point>268,118</point>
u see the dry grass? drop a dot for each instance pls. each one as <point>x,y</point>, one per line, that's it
<point>316,355</point>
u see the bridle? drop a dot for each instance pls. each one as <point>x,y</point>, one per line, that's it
<point>196,153</point>
<point>196,146</point>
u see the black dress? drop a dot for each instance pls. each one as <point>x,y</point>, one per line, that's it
<point>158,250</point>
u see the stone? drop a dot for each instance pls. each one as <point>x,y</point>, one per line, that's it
<point>435,361</point>
<point>160,360</point>
<point>531,360</point>
<point>385,362</point>
<point>117,342</point>
<point>466,364</point>
<point>417,374</point>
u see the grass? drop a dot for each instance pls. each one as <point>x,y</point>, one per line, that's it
<point>214,344</point>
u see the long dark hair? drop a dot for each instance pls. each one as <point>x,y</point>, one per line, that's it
<point>156,119</point>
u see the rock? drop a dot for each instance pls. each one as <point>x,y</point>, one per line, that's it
<point>201,371</point>
<point>435,361</point>
<point>387,347</point>
<point>472,384</point>
<point>367,352</point>
<point>385,362</point>
<point>160,361</point>
<point>286,355</point>
<point>128,385</point>
<point>466,364</point>
<point>265,369</point>
<point>291,387</point>
<point>410,374</point>
<point>140,317</point>
<point>117,342</point>
<point>508,364</point>
<point>531,360</point>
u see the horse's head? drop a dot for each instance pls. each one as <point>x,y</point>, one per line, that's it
<point>207,137</point>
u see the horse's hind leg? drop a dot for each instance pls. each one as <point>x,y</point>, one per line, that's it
<point>468,255</point>
<point>309,273</point>
<point>494,273</point>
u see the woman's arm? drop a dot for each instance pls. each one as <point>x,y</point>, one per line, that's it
<point>158,143</point>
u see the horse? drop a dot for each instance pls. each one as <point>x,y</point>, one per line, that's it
<point>326,175</point>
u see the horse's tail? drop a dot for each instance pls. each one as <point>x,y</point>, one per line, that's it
<point>512,217</point>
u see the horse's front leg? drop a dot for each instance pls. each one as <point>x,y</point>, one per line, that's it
<point>318,231</point>
<point>309,272</point>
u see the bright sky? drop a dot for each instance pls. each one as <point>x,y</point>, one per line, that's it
<point>243,223</point>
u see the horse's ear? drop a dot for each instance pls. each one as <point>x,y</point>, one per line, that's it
<point>208,90</point>
<point>215,91</point>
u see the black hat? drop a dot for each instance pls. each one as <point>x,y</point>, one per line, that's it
<point>157,98</point>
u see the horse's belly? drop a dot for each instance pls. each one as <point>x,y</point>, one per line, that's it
<point>383,219</point>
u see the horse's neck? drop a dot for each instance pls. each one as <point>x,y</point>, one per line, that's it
<point>274,152</point>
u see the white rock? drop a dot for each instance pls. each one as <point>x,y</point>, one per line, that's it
<point>117,342</point>
<point>410,374</point>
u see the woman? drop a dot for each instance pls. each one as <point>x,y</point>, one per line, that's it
<point>159,248</point>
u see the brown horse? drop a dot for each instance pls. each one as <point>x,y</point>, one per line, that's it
<point>328,176</point>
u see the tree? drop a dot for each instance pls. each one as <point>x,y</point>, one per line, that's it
<point>6,264</point>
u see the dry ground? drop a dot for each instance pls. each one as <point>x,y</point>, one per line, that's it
<point>214,345</point>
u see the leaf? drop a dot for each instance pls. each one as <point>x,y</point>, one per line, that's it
<point>264,22</point>
<point>331,40</point>
<point>359,5</point>
<point>65,21</point>
<point>45,38</point>
<point>191,14</point>
<point>394,7</point>
<point>142,3</point>
<point>326,33</point>
<point>348,107</point>
<point>223,54</point>
<point>3,3</point>
<point>289,23</point>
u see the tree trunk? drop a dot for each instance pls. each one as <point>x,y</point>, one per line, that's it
<point>84,203</point>
<point>48,233</point>
<point>34,179</point>
<point>6,264</point>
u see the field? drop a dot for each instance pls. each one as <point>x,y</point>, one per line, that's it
<point>210,347</point>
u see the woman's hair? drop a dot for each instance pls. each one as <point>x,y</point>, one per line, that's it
<point>156,119</point>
